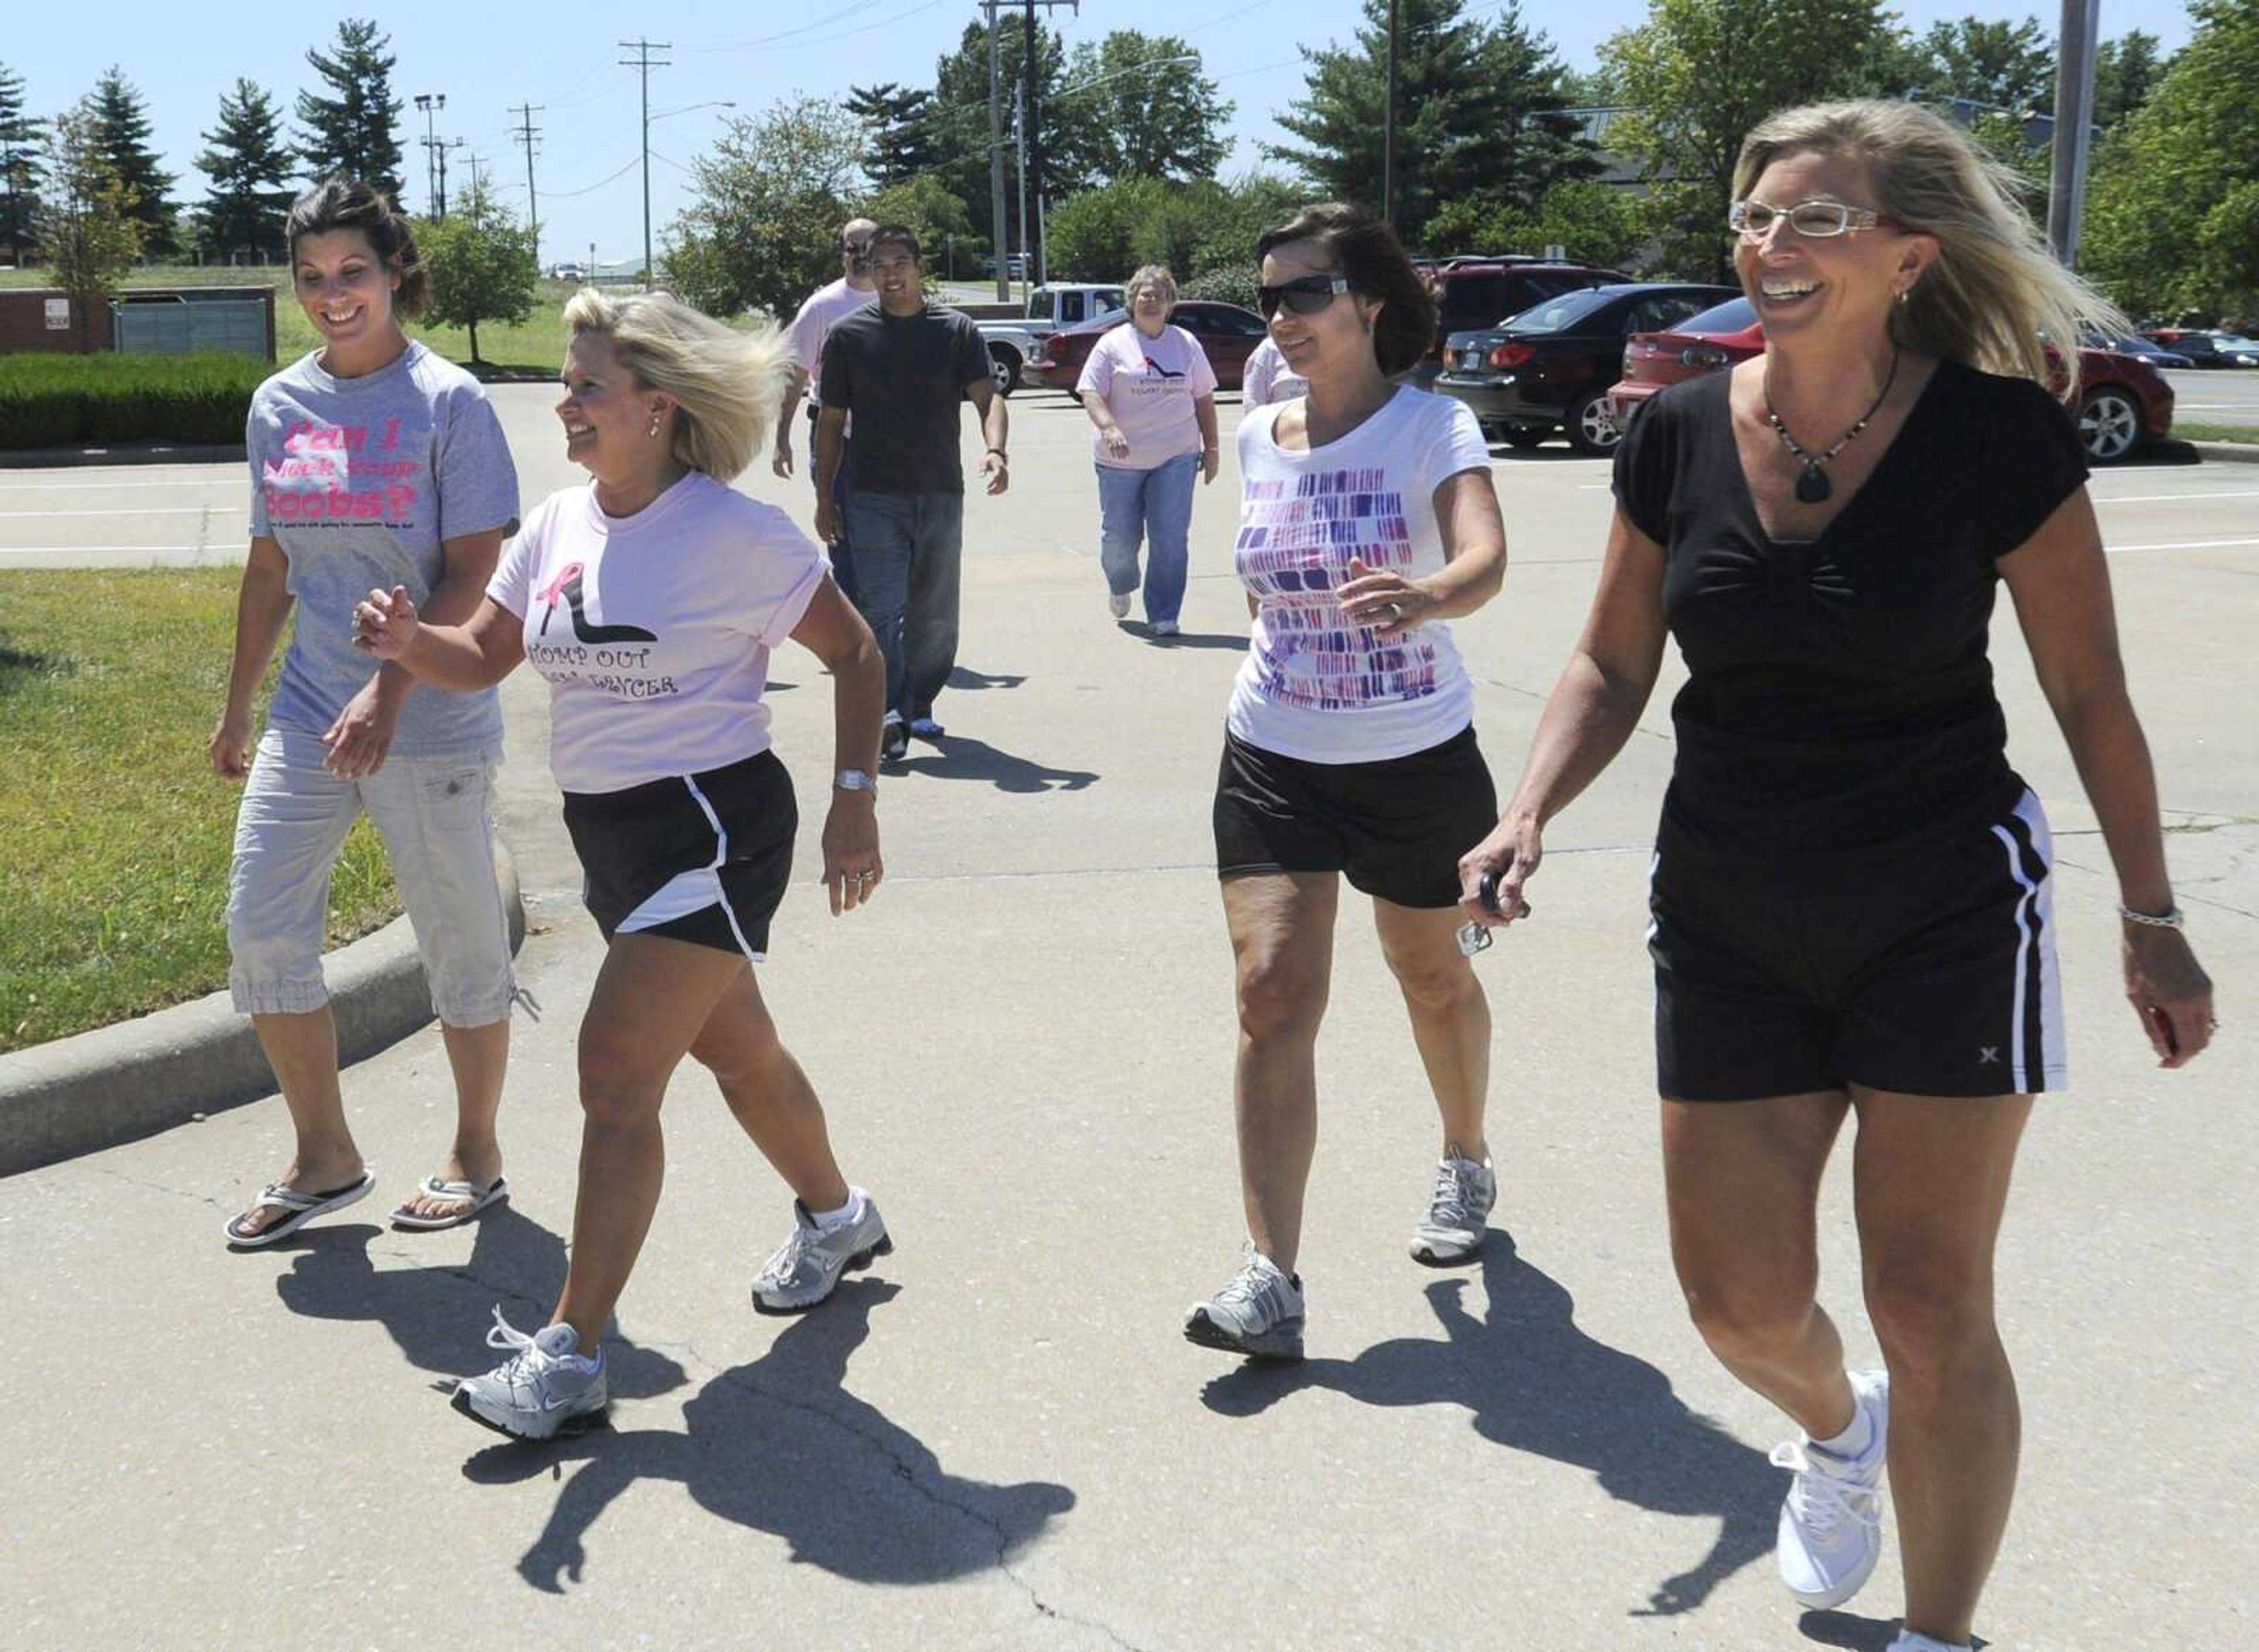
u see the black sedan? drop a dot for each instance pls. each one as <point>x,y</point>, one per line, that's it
<point>2132,344</point>
<point>1549,367</point>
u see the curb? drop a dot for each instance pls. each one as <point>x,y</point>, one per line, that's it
<point>2229,452</point>
<point>118,1084</point>
<point>64,458</point>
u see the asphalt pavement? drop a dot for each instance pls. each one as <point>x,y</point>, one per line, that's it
<point>998,1438</point>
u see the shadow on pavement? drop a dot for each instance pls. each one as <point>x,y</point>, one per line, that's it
<point>1235,641</point>
<point>779,1445</point>
<point>438,1316</point>
<point>964,677</point>
<point>960,759</point>
<point>1537,1384</point>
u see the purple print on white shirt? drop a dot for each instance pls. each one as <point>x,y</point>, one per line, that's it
<point>1296,538</point>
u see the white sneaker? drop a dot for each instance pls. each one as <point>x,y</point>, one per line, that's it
<point>1117,604</point>
<point>806,1268</point>
<point>1166,627</point>
<point>1459,1212</point>
<point>1259,1313</point>
<point>545,1388</point>
<point>1831,1522</point>
<point>1909,1641</point>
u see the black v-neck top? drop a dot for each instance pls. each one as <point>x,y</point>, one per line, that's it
<point>1840,697</point>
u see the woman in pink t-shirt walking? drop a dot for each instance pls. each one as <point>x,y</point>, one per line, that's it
<point>1151,392</point>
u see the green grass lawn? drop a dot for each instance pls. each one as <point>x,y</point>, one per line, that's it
<point>114,889</point>
<point>2185,432</point>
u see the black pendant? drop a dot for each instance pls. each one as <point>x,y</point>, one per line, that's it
<point>1813,486</point>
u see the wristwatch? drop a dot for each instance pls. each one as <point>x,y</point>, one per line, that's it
<point>854,780</point>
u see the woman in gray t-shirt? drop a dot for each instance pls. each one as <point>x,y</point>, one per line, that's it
<point>374,462</point>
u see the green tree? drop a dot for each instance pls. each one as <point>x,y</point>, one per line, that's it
<point>959,124</point>
<point>247,209</point>
<point>1103,234</point>
<point>1137,111</point>
<point>1595,88</point>
<point>2126,71</point>
<point>925,205</point>
<point>352,133</point>
<point>2172,218</point>
<point>898,122</point>
<point>1479,109</point>
<point>1593,222</point>
<point>1991,61</point>
<point>767,202</point>
<point>122,131</point>
<point>481,264</point>
<point>88,234</point>
<point>1698,75</point>
<point>22,139</point>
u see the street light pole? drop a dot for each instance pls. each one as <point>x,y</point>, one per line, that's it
<point>428,104</point>
<point>2074,103</point>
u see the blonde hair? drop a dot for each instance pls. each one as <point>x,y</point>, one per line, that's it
<point>1156,276</point>
<point>727,385</point>
<point>1995,298</point>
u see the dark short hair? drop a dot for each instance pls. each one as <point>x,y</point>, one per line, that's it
<point>347,204</point>
<point>900,235</point>
<point>1366,250</point>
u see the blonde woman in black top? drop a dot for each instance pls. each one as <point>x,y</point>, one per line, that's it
<point>1852,891</point>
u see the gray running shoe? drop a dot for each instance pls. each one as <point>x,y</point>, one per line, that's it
<point>1259,1313</point>
<point>1831,1522</point>
<point>1458,1213</point>
<point>545,1388</point>
<point>806,1267</point>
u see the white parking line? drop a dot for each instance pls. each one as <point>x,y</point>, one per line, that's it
<point>2185,545</point>
<point>233,478</point>
<point>146,510</point>
<point>2174,499</point>
<point>106,549</point>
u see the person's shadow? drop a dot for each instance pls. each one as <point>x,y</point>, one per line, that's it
<point>439,1317</point>
<point>965,677</point>
<point>779,1445</point>
<point>1234,641</point>
<point>958,757</point>
<point>1537,1384</point>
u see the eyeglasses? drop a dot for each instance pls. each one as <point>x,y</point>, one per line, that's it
<point>1753,220</point>
<point>1305,295</point>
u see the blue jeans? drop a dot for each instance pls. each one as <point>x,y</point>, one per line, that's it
<point>842,554</point>
<point>1155,505</point>
<point>909,550</point>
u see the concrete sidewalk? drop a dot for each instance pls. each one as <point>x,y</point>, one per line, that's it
<point>998,1439</point>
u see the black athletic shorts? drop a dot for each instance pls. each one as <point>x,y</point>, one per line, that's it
<point>1396,828</point>
<point>1932,976</point>
<point>698,857</point>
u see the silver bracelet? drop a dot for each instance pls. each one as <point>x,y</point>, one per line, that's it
<point>2170,918</point>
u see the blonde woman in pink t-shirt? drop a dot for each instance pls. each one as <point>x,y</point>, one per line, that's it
<point>1151,393</point>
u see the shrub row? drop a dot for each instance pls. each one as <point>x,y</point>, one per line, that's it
<point>61,401</point>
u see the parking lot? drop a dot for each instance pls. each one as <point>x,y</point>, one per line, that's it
<point>2219,395</point>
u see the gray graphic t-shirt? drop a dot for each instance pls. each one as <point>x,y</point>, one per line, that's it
<point>360,481</point>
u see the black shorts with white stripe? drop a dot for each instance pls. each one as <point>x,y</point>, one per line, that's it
<point>1938,978</point>
<point>699,858</point>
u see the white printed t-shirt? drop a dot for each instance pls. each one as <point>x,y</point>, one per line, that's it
<point>654,631</point>
<point>1314,687</point>
<point>1150,386</point>
<point>1267,378</point>
<point>814,323</point>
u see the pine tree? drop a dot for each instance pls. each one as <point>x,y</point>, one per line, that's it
<point>352,134</point>
<point>958,123</point>
<point>246,211</point>
<point>898,120</point>
<point>121,133</point>
<point>21,170</point>
<point>1477,113</point>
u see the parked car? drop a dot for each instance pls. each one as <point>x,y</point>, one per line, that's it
<point>568,273</point>
<point>1481,292</point>
<point>2123,401</point>
<point>2208,349</point>
<point>1013,344</point>
<point>2132,344</point>
<point>1549,367</point>
<point>1227,332</point>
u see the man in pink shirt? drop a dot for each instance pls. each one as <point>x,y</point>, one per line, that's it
<point>823,308</point>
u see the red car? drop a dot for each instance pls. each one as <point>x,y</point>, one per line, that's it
<point>1227,333</point>
<point>2123,401</point>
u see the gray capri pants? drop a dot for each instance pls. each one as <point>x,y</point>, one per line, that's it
<point>432,812</point>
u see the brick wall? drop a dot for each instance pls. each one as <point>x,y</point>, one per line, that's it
<point>24,323</point>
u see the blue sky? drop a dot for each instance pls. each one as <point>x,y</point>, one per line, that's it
<point>561,55</point>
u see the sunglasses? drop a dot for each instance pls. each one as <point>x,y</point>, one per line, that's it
<point>1305,295</point>
<point>1816,220</point>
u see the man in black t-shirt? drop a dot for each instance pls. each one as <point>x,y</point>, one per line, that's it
<point>902,368</point>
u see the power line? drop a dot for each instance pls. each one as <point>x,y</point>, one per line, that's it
<point>569,195</point>
<point>787,42</point>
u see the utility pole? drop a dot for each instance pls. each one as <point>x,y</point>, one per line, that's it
<point>996,161</point>
<point>445,143</point>
<point>1388,131</point>
<point>527,131</point>
<point>644,62</point>
<point>1020,131</point>
<point>996,140</point>
<point>2074,106</point>
<point>429,104</point>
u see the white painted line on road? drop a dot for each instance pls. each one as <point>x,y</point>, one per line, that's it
<point>2184,545</point>
<point>145,511</point>
<point>2174,499</point>
<point>234,478</point>
<point>108,550</point>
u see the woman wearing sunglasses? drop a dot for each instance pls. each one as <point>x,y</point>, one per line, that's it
<point>1367,519</point>
<point>1852,892</point>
